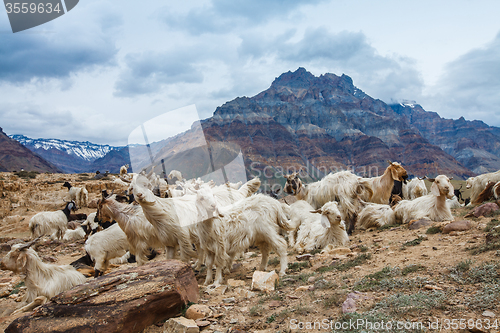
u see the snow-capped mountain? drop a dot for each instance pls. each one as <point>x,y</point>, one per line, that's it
<point>76,156</point>
<point>86,150</point>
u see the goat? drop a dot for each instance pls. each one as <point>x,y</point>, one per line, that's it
<point>458,193</point>
<point>106,245</point>
<point>318,231</point>
<point>343,187</point>
<point>478,183</point>
<point>141,234</point>
<point>43,281</point>
<point>492,190</point>
<point>175,174</point>
<point>79,195</point>
<point>123,169</point>
<point>44,223</point>
<point>382,185</point>
<point>255,220</point>
<point>174,218</point>
<point>376,215</point>
<point>432,206</point>
<point>415,188</point>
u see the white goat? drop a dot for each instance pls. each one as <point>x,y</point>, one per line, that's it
<point>255,220</point>
<point>43,281</point>
<point>375,215</point>
<point>46,223</point>
<point>320,227</point>
<point>432,206</point>
<point>175,174</point>
<point>415,188</point>
<point>123,169</point>
<point>106,245</point>
<point>174,219</point>
<point>141,234</point>
<point>343,187</point>
<point>76,234</point>
<point>79,195</point>
<point>382,185</point>
<point>478,183</point>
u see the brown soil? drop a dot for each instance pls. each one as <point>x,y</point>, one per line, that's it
<point>399,292</point>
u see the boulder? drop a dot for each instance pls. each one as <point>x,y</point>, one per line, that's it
<point>457,226</point>
<point>484,210</point>
<point>264,281</point>
<point>122,301</point>
<point>417,224</point>
<point>180,325</point>
<point>198,311</point>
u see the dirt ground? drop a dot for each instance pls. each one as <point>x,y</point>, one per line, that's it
<point>413,280</point>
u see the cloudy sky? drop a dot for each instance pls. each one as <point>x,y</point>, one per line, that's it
<point>105,67</point>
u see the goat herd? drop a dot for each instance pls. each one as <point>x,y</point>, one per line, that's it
<point>213,225</point>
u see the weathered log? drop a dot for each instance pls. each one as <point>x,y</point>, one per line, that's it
<point>122,301</point>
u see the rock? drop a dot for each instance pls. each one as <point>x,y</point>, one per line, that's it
<point>233,321</point>
<point>320,284</point>
<point>302,288</point>
<point>249,255</point>
<point>4,293</point>
<point>180,325</point>
<point>245,293</point>
<point>264,281</point>
<point>229,300</point>
<point>417,224</point>
<point>484,210</point>
<point>5,247</point>
<point>311,279</point>
<point>349,306</point>
<point>202,323</point>
<point>488,314</point>
<point>304,257</point>
<point>216,290</point>
<point>198,311</point>
<point>457,226</point>
<point>431,287</point>
<point>274,304</point>
<point>330,250</point>
<point>235,283</point>
<point>122,301</point>
<point>358,295</point>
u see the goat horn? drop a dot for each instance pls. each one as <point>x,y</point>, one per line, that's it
<point>431,179</point>
<point>125,180</point>
<point>317,211</point>
<point>30,243</point>
<point>450,178</point>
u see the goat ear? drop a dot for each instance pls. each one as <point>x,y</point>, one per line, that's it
<point>317,211</point>
<point>394,174</point>
<point>435,190</point>
<point>450,178</point>
<point>431,179</point>
<point>22,260</point>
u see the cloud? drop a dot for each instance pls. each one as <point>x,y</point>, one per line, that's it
<point>148,72</point>
<point>382,77</point>
<point>59,48</point>
<point>470,85</point>
<point>224,16</point>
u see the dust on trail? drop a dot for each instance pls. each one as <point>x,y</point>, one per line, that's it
<point>400,275</point>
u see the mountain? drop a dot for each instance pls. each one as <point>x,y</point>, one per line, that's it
<point>76,156</point>
<point>324,124</point>
<point>473,143</point>
<point>14,157</point>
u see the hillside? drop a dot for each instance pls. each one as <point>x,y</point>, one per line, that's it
<point>14,157</point>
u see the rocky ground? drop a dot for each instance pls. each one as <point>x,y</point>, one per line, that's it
<point>419,280</point>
